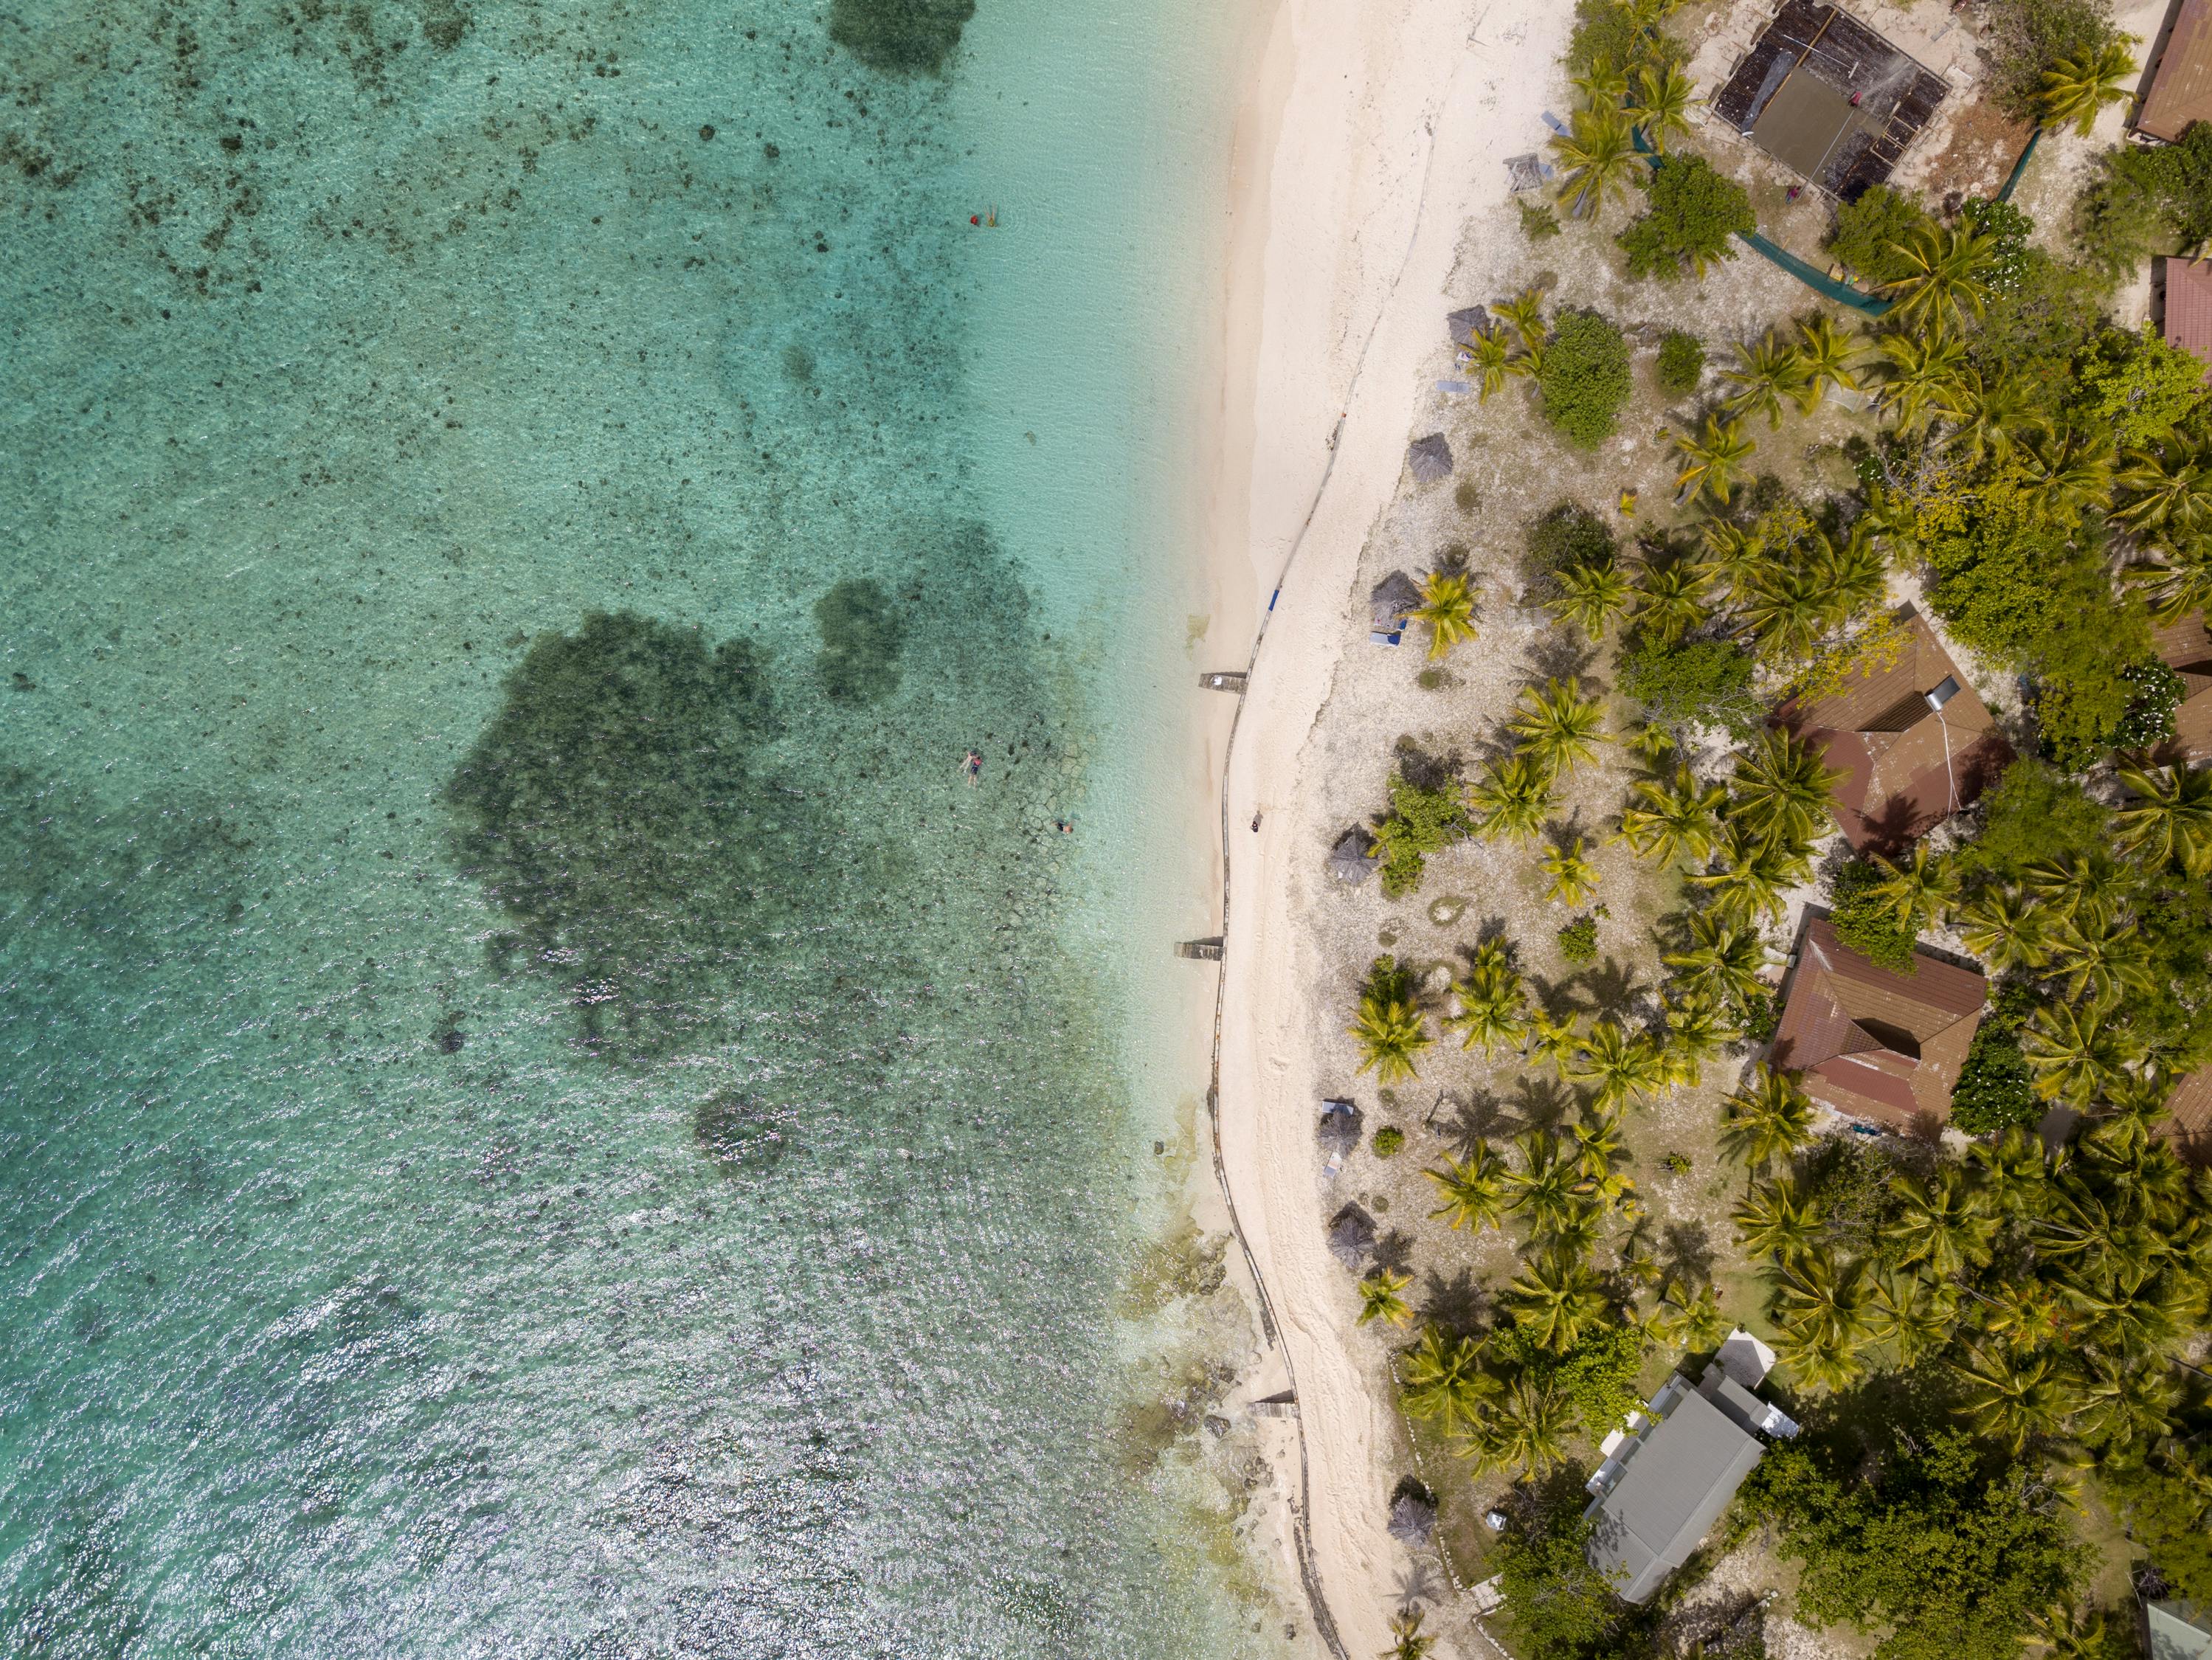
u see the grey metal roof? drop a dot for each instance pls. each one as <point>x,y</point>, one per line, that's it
<point>2178,1630</point>
<point>1670,1493</point>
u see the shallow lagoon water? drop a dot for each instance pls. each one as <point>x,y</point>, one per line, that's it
<point>539,1113</point>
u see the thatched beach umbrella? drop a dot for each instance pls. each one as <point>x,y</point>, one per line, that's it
<point>1351,1237</point>
<point>1430,457</point>
<point>1392,600</point>
<point>1354,858</point>
<point>1412,1519</point>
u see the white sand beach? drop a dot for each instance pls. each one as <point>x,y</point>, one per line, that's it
<point>1375,135</point>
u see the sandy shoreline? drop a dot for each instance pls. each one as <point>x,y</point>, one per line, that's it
<point>1371,138</point>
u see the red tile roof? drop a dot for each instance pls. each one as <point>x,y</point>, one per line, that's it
<point>2185,648</point>
<point>2181,91</point>
<point>2189,307</point>
<point>1873,1042</point>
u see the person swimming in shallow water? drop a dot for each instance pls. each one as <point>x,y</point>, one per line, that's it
<point>972,764</point>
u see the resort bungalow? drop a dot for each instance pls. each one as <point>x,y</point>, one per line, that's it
<point>1914,742</point>
<point>1873,1043</point>
<point>2181,88</point>
<point>2185,648</point>
<point>2176,1630</point>
<point>2188,1121</point>
<point>1666,1479</point>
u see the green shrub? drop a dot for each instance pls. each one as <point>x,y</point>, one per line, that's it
<point>2007,230</point>
<point>2023,38</point>
<point>1420,821</point>
<point>1864,922</point>
<point>1994,1091</point>
<point>1617,31</point>
<point>1569,536</point>
<point>1537,219</point>
<point>1557,1606</point>
<point>1701,682</point>
<point>1388,1141</point>
<point>1681,362</point>
<point>2135,388</point>
<point>1578,941</point>
<point>1868,231</point>
<point>1584,378</point>
<point>1695,215</point>
<point>2031,815</point>
<point>2164,1503</point>
<point>1759,1015</point>
<point>1674,1164</point>
<point>1855,1187</point>
<point>2149,719</point>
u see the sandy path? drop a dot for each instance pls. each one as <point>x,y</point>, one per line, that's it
<point>1384,129</point>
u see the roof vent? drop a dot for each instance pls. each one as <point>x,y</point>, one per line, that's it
<point>1943,694</point>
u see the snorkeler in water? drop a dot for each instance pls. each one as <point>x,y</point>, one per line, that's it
<point>972,764</point>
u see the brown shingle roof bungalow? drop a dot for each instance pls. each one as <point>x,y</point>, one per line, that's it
<point>1914,742</point>
<point>2181,90</point>
<point>2188,1124</point>
<point>2189,307</point>
<point>1875,1043</point>
<point>2185,648</point>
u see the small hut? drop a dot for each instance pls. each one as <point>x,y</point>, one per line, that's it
<point>1430,457</point>
<point>1413,1516</point>
<point>1461,326</point>
<point>1354,858</point>
<point>1351,1237</point>
<point>1524,171</point>
<point>1391,602</point>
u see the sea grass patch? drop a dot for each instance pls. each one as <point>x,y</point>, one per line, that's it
<point>901,37</point>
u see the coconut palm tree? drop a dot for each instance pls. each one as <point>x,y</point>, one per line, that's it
<point>1693,1323</point>
<point>2124,1403</point>
<point>2075,88</point>
<point>1558,725</point>
<point>1824,357</point>
<point>2062,1632</point>
<point>1554,1043</point>
<point>1599,159</point>
<point>1788,607</point>
<point>1513,796</point>
<point>2076,884</point>
<point>2071,475</point>
<point>2021,1313</point>
<point>1734,555</point>
<point>1524,314</point>
<point>1993,416</point>
<point>1768,1118</point>
<point>1815,1295</point>
<point>1493,1004</point>
<point>1783,788</point>
<point>1698,1028</point>
<point>1752,878</point>
<point>1603,87</point>
<point>1724,957</point>
<point>1919,893</point>
<point>1817,1359</point>
<point>1380,1296</point>
<point>2003,928</point>
<point>1448,607</point>
<point>1442,1379</point>
<point>1924,377</point>
<point>1574,879</point>
<point>1490,358</point>
<point>1548,1189</point>
<point>2014,1399</point>
<point>1558,1299</point>
<point>1907,1312</point>
<point>1526,1429</point>
<point>1945,276</point>
<point>1854,569</point>
<point>1473,1189</point>
<point>2100,958</point>
<point>2076,1051</point>
<point>1625,1066</point>
<point>1712,459</point>
<point>2178,579</point>
<point>1674,818</point>
<point>2013,1178</point>
<point>1670,600</point>
<point>1767,373</point>
<point>1407,1642</point>
<point>1590,596</point>
<point>1663,97</point>
<point>1778,1219</point>
<point>1389,1027</point>
<point>1939,1226</point>
<point>2172,818</point>
<point>2168,487</point>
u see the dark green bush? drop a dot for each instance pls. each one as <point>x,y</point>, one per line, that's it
<point>2149,719</point>
<point>1537,219</point>
<point>1681,362</point>
<point>1578,941</point>
<point>1569,536</point>
<point>1420,821</point>
<point>2023,38</point>
<point>1994,1091</point>
<point>1864,923</point>
<point>1868,231</point>
<point>1695,215</point>
<point>1584,378</point>
<point>1388,1141</point>
<point>1706,682</point>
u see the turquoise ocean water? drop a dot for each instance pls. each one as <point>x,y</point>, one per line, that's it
<point>539,1113</point>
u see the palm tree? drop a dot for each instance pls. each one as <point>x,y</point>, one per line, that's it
<point>1599,157</point>
<point>1526,1428</point>
<point>1816,1295</point>
<point>1602,86</point>
<point>2071,475</point>
<point>2076,885</point>
<point>2100,958</point>
<point>1524,314</point>
<point>1817,1359</point>
<point>1788,605</point>
<point>1513,796</point>
<point>1696,1324</point>
<point>1407,1641</point>
<point>1448,607</point>
<point>1663,97</point>
<point>1473,1189</point>
<point>1940,1225</point>
<point>1389,1028</point>
<point>1724,957</point>
<point>1908,1313</point>
<point>1769,1117</point>
<point>1919,892</point>
<point>2075,88</point>
<point>1824,355</point>
<point>2064,1631</point>
<point>1698,1028</point>
<point>2124,1403</point>
<point>2178,579</point>
<point>2014,1179</point>
<point>1924,377</point>
<point>1493,1004</point>
<point>1855,571</point>
<point>1443,1379</point>
<point>2013,1400</point>
<point>1673,819</point>
<point>1778,1219</point>
<point>1783,790</point>
<point>1558,1298</point>
<point>1558,725</point>
<point>2076,1051</point>
<point>1491,357</point>
<point>2024,1313</point>
<point>1548,1188</point>
<point>1625,1067</point>
<point>1380,1298</point>
<point>1765,375</point>
<point>2172,819</point>
<point>1554,1043</point>
<point>1574,879</point>
<point>1712,459</point>
<point>1590,596</point>
<point>2005,929</point>
<point>1992,417</point>
<point>1945,274</point>
<point>1752,878</point>
<point>2169,487</point>
<point>1670,600</point>
<point>1734,555</point>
